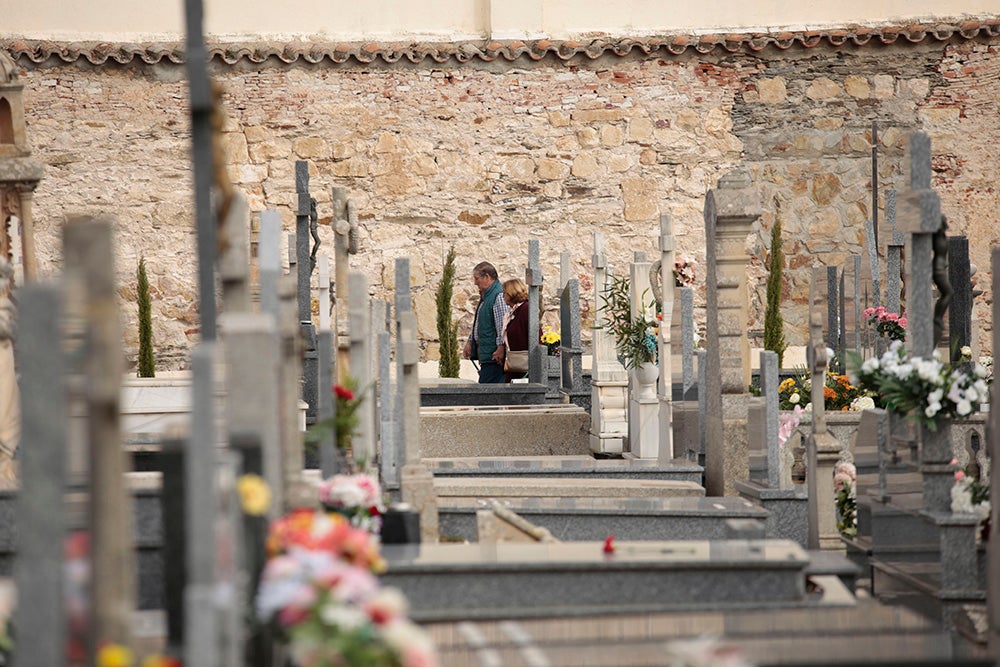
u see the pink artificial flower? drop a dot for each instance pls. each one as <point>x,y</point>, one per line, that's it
<point>902,322</point>
<point>892,317</point>
<point>959,475</point>
<point>869,312</point>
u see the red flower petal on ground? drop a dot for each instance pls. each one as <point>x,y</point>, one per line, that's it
<point>609,544</point>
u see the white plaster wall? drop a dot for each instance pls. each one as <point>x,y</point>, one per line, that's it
<point>446,20</point>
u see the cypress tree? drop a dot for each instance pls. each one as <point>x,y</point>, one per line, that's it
<point>450,362</point>
<point>147,366</point>
<point>774,334</point>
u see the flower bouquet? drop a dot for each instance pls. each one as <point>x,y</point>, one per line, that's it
<point>320,593</point>
<point>684,271</point>
<point>845,485</point>
<point>925,389</point>
<point>357,497</point>
<point>839,393</point>
<point>551,339</point>
<point>885,323</point>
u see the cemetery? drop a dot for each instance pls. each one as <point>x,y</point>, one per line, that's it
<point>663,486</point>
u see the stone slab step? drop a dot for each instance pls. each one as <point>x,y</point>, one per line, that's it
<point>589,518</point>
<point>536,487</point>
<point>585,466</point>
<point>504,431</point>
<point>469,581</point>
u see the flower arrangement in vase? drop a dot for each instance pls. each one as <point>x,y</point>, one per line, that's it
<point>845,485</point>
<point>635,337</point>
<point>839,393</point>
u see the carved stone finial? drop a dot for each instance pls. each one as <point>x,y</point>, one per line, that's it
<point>8,68</point>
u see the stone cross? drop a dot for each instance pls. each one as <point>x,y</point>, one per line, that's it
<point>329,459</point>
<point>234,261</point>
<point>832,310</point>
<point>38,567</point>
<point>89,262</point>
<point>310,355</point>
<point>730,211</point>
<point>856,291</point>
<point>665,384</point>
<point>893,284</point>
<point>345,228</point>
<point>537,369</point>
<point>416,480</point>
<point>570,345</point>
<point>609,381</point>
<point>822,449</point>
<point>643,407</point>
<point>361,368</point>
<point>920,215</point>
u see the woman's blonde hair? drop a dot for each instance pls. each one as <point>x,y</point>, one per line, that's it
<point>516,290</point>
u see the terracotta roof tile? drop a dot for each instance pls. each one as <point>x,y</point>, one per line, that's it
<point>39,51</point>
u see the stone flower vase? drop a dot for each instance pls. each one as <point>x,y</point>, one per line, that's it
<point>646,375</point>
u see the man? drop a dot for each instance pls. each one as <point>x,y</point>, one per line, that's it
<point>485,343</point>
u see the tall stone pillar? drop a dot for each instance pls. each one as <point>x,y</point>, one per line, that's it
<point>730,211</point>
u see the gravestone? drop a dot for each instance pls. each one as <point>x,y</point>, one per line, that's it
<point>960,307</point>
<point>570,344</point>
<point>730,211</point>
<point>993,433</point>
<point>403,304</point>
<point>382,317</point>
<point>38,569</point>
<point>609,381</point>
<point>537,369</point>
<point>269,261</point>
<point>822,449</point>
<point>359,308</point>
<point>344,223</point>
<point>234,260</point>
<point>329,460</point>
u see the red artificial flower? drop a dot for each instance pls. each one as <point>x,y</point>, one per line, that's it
<point>609,544</point>
<point>343,392</point>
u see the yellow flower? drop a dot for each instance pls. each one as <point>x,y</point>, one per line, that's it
<point>255,496</point>
<point>786,384</point>
<point>114,655</point>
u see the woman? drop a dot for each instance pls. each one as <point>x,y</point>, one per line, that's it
<point>515,329</point>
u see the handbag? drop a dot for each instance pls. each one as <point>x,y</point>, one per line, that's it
<point>516,361</point>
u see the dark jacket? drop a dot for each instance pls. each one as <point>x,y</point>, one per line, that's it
<point>485,325</point>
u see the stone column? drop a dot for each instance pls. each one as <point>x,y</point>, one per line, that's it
<point>416,480</point>
<point>822,449</point>
<point>665,385</point>
<point>643,411</point>
<point>730,211</point>
<point>537,367</point>
<point>609,381</point>
<point>360,339</point>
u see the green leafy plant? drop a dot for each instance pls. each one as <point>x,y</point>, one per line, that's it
<point>635,337</point>
<point>147,365</point>
<point>774,326</point>
<point>450,363</point>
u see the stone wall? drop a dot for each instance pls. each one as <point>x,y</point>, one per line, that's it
<point>488,155</point>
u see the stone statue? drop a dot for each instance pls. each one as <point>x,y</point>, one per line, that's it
<point>10,409</point>
<point>941,281</point>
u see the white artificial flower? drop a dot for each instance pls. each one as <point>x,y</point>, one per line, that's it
<point>966,352</point>
<point>963,408</point>
<point>972,394</point>
<point>794,399</point>
<point>863,403</point>
<point>870,365</point>
<point>935,396</point>
<point>932,410</point>
<point>341,616</point>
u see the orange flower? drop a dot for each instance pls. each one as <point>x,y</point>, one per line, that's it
<point>829,393</point>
